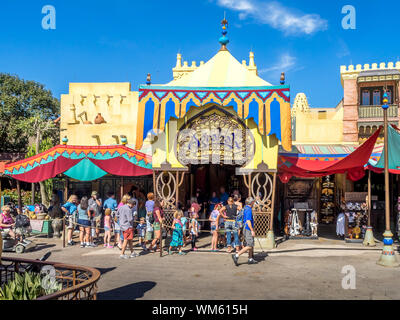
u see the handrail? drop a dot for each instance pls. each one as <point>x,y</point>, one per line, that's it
<point>91,281</point>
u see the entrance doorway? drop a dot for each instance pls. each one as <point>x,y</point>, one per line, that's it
<point>211,177</point>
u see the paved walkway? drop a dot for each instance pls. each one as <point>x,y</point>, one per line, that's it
<point>297,269</point>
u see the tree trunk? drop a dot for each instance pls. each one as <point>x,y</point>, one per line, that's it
<point>43,194</point>
<point>32,193</point>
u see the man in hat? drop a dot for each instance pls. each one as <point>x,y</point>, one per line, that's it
<point>248,233</point>
<point>95,206</point>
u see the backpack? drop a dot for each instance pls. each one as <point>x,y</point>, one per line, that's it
<point>22,221</point>
<point>150,217</point>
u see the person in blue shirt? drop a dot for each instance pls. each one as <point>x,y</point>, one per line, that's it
<point>69,209</point>
<point>213,201</point>
<point>223,196</point>
<point>110,203</point>
<point>248,233</point>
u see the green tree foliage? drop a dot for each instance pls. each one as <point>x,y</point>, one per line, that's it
<point>26,107</point>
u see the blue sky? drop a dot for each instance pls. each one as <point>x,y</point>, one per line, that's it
<point>123,40</point>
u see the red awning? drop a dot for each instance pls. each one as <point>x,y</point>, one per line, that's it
<point>353,164</point>
<point>83,163</point>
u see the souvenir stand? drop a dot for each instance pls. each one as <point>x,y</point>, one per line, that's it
<point>84,163</point>
<point>355,212</point>
<point>325,168</point>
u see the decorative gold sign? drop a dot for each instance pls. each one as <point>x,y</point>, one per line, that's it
<point>216,139</point>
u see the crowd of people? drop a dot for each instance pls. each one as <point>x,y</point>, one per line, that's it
<point>231,223</point>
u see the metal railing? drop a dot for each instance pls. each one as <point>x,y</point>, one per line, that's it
<point>78,283</point>
<point>377,111</point>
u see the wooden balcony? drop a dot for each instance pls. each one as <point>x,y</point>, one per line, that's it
<point>377,112</point>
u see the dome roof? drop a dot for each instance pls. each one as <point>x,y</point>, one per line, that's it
<point>222,70</point>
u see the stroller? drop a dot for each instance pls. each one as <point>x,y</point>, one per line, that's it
<point>21,229</point>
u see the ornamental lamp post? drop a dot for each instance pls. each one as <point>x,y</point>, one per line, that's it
<point>388,258</point>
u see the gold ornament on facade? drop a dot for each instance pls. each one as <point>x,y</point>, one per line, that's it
<point>205,129</point>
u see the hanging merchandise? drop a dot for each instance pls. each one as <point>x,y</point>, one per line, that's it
<point>314,223</point>
<point>295,224</point>
<point>328,200</point>
<point>356,214</point>
<point>340,224</point>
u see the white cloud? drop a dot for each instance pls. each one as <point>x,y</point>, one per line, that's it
<point>285,63</point>
<point>343,49</point>
<point>277,16</point>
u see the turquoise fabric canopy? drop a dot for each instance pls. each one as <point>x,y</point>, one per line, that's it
<point>394,154</point>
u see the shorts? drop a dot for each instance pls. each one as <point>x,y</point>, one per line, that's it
<point>213,228</point>
<point>117,228</point>
<point>5,232</point>
<point>84,223</point>
<point>157,226</point>
<point>128,234</point>
<point>107,229</point>
<point>71,222</point>
<point>248,238</point>
<point>97,221</point>
<point>149,235</point>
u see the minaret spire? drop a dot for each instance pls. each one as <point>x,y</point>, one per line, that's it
<point>224,39</point>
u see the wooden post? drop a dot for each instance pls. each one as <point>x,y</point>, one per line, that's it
<point>154,184</point>
<point>121,191</point>
<point>273,202</point>
<point>387,186</point>
<point>19,197</point>
<point>32,193</point>
<point>65,200</point>
<point>66,190</point>
<point>177,189</point>
<point>63,233</point>
<point>369,198</point>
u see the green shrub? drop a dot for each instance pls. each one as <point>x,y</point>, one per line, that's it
<point>27,286</point>
<point>25,196</point>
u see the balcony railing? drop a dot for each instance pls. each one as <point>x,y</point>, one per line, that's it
<point>377,111</point>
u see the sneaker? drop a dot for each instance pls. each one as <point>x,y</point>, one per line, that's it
<point>169,252</point>
<point>235,259</point>
<point>105,246</point>
<point>82,245</point>
<point>124,256</point>
<point>182,253</point>
<point>194,249</point>
<point>92,245</point>
<point>70,243</point>
<point>252,261</point>
<point>110,247</point>
<point>133,255</point>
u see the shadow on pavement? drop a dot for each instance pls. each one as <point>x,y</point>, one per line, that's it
<point>129,292</point>
<point>42,246</point>
<point>105,270</point>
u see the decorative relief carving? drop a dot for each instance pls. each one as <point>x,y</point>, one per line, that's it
<point>215,138</point>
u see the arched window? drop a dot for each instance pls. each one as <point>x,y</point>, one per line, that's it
<point>365,99</point>
<point>376,97</point>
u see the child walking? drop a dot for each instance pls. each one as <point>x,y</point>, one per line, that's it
<point>149,229</point>
<point>107,228</point>
<point>194,229</point>
<point>177,234</point>
<point>141,228</point>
